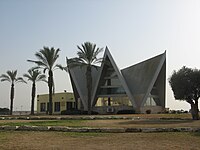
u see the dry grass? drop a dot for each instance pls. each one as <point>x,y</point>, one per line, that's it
<point>98,141</point>
<point>118,123</point>
<point>142,123</point>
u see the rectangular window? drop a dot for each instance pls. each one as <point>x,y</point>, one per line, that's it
<point>56,106</point>
<point>42,107</point>
<point>112,90</point>
<point>48,107</point>
<point>69,105</point>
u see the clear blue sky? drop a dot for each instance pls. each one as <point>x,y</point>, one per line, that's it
<point>134,30</point>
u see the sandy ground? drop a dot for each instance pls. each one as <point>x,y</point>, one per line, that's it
<point>120,141</point>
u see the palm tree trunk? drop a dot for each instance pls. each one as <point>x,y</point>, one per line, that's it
<point>11,98</point>
<point>89,87</point>
<point>33,98</point>
<point>109,92</point>
<point>50,84</point>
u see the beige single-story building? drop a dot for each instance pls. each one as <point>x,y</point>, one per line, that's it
<point>61,102</point>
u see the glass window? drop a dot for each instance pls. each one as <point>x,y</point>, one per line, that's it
<point>69,105</point>
<point>48,106</point>
<point>150,102</point>
<point>56,106</point>
<point>113,90</point>
<point>42,107</point>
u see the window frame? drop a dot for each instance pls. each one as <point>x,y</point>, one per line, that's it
<point>42,107</point>
<point>56,106</point>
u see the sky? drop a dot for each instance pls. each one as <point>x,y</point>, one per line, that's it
<point>133,30</point>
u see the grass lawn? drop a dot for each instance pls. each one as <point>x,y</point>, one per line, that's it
<point>112,123</point>
<point>18,140</point>
<point>69,123</point>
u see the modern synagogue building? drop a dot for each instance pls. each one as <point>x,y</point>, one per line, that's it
<point>139,88</point>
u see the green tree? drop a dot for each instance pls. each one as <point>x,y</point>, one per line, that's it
<point>87,56</point>
<point>185,84</point>
<point>47,61</point>
<point>11,76</point>
<point>34,76</point>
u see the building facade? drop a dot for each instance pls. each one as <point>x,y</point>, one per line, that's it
<point>61,102</point>
<point>140,87</point>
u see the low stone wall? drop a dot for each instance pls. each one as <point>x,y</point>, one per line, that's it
<point>87,118</point>
<point>96,130</point>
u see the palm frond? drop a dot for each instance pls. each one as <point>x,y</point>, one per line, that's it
<point>35,75</point>
<point>12,75</point>
<point>42,77</point>
<point>56,55</point>
<point>45,70</point>
<point>28,77</point>
<point>88,53</point>
<point>35,68</point>
<point>41,58</point>
<point>2,80</point>
<point>5,77</point>
<point>20,79</point>
<point>39,63</point>
<point>74,62</point>
<point>99,50</point>
<point>31,75</point>
<point>82,50</point>
<point>58,66</point>
<point>97,61</point>
<point>46,58</point>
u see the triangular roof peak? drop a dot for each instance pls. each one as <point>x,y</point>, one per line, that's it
<point>144,73</point>
<point>108,55</point>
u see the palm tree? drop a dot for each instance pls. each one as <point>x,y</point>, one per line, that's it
<point>46,61</point>
<point>34,76</point>
<point>87,56</point>
<point>11,77</point>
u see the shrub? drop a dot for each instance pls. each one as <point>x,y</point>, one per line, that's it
<point>126,112</point>
<point>77,112</point>
<point>148,111</point>
<point>4,111</point>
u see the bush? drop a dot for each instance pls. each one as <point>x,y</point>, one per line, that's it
<point>148,111</point>
<point>76,112</point>
<point>4,111</point>
<point>70,112</point>
<point>126,112</point>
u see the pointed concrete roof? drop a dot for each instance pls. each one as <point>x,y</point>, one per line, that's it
<point>141,77</point>
<point>78,77</point>
<point>118,73</point>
